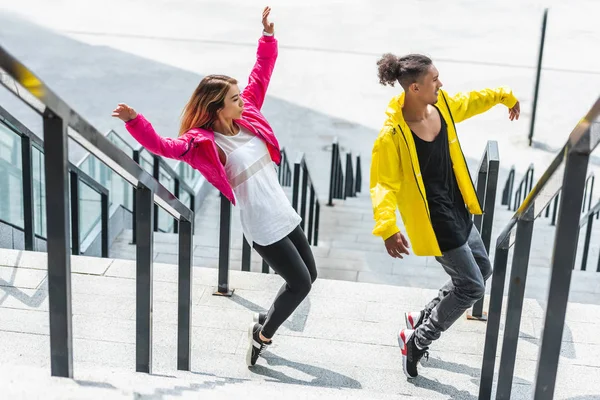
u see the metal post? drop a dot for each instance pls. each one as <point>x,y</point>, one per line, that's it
<point>493,323</point>
<point>481,184</point>
<point>317,215</point>
<point>104,218</point>
<point>265,267</point>
<point>58,246</point>
<point>349,177</point>
<point>516,293</point>
<point>311,214</point>
<point>143,281</point>
<point>156,175</point>
<point>224,243</point>
<point>28,208</point>
<point>296,186</point>
<point>177,190</point>
<point>332,175</point>
<point>246,254</point>
<point>136,158</point>
<point>537,76</point>
<point>586,245</point>
<point>184,316</point>
<point>555,211</point>
<point>564,252</point>
<point>358,183</point>
<point>489,206</point>
<point>591,192</point>
<point>75,240</point>
<point>303,198</point>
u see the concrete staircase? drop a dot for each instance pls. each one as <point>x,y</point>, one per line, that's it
<point>339,344</point>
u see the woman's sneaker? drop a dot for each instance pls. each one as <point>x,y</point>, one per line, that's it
<point>411,354</point>
<point>255,345</point>
<point>260,318</point>
<point>414,319</point>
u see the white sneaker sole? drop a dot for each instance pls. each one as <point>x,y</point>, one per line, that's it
<point>255,318</point>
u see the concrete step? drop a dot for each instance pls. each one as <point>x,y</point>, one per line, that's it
<point>340,342</point>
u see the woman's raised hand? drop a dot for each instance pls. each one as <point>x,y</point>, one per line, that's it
<point>268,27</point>
<point>124,112</point>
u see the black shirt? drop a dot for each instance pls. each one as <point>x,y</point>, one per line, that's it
<point>449,216</point>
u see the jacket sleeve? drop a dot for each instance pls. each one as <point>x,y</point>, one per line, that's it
<point>266,55</point>
<point>385,184</point>
<point>466,105</point>
<point>142,131</point>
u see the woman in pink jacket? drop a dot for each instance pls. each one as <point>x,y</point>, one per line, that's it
<point>224,135</point>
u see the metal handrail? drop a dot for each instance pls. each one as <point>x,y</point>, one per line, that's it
<point>32,140</point>
<point>25,85</point>
<point>524,187</point>
<point>62,122</point>
<point>508,187</point>
<point>567,171</point>
<point>299,200</point>
<point>487,184</point>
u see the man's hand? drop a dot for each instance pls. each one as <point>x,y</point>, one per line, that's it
<point>268,27</point>
<point>397,245</point>
<point>124,112</point>
<point>513,113</point>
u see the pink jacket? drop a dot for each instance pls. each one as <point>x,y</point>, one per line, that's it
<point>197,146</point>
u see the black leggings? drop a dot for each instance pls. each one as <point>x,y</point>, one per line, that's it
<point>292,259</point>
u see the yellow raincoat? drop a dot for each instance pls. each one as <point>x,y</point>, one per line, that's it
<point>396,180</point>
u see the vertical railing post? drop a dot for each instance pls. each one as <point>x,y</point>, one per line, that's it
<point>537,76</point>
<point>246,254</point>
<point>28,208</point>
<point>104,235</point>
<point>75,239</point>
<point>156,175</point>
<point>144,256</point>
<point>177,193</point>
<point>304,193</point>
<point>493,323</point>
<point>514,308</point>
<point>58,246</point>
<point>481,185</point>
<point>555,211</point>
<point>317,216</point>
<point>489,206</point>
<point>296,186</point>
<point>564,252</point>
<point>224,244</point>
<point>136,158</point>
<point>358,182</point>
<point>586,245</point>
<point>265,267</point>
<point>184,309</point>
<point>349,176</point>
<point>311,213</point>
<point>332,175</point>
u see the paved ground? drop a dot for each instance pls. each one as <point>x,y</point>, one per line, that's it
<point>341,340</point>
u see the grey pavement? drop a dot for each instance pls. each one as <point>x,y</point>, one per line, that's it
<point>340,342</point>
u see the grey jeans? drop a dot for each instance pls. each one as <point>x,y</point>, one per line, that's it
<point>469,267</point>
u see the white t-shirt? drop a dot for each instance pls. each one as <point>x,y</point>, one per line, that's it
<point>266,213</point>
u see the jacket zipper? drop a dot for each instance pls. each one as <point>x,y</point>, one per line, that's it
<point>415,174</point>
<point>461,152</point>
<point>189,148</point>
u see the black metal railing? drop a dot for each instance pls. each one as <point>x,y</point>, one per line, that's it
<point>524,188</point>
<point>566,172</point>
<point>588,222</point>
<point>30,141</point>
<point>170,179</point>
<point>586,205</point>
<point>343,184</point>
<point>487,184</point>
<point>508,188</point>
<point>60,123</point>
<point>284,175</point>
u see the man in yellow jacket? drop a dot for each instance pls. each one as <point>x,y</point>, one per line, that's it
<point>419,168</point>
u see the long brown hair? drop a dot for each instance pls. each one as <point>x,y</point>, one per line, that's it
<point>208,98</point>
